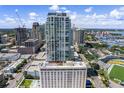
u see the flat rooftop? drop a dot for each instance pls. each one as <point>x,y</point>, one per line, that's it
<point>14,47</point>
<point>25,56</point>
<point>8,54</point>
<point>41,56</point>
<point>12,51</point>
<point>21,46</point>
<point>36,63</point>
<point>64,65</point>
<point>57,14</point>
<point>34,66</point>
<point>14,64</point>
<point>31,40</point>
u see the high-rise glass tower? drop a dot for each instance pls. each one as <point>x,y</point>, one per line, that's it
<point>59,70</point>
<point>58,36</point>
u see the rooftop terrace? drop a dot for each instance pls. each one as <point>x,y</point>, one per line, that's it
<point>63,65</point>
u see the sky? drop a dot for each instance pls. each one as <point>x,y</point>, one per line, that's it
<point>82,16</point>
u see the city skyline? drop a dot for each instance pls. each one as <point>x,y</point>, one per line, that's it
<point>54,55</point>
<point>83,16</point>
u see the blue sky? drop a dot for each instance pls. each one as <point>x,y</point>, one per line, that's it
<point>83,16</point>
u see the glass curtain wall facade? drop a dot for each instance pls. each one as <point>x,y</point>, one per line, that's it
<point>58,36</point>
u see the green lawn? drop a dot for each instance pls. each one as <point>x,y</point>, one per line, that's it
<point>117,72</point>
<point>26,83</point>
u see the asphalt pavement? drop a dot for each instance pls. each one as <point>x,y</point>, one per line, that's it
<point>114,85</point>
<point>97,82</point>
<point>13,82</point>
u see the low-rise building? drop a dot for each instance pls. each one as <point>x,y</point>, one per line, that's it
<point>33,69</point>
<point>31,47</point>
<point>12,67</point>
<point>9,57</point>
<point>4,50</point>
<point>26,56</point>
<point>12,51</point>
<point>3,39</point>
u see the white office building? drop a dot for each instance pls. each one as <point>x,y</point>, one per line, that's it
<point>63,75</point>
<point>58,36</point>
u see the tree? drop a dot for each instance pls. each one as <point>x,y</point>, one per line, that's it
<point>101,71</point>
<point>91,72</point>
<point>82,49</point>
<point>88,38</point>
<point>95,66</point>
<point>3,83</point>
<point>27,76</point>
<point>24,61</point>
<point>114,47</point>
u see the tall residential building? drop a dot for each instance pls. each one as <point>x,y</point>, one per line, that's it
<point>35,30</point>
<point>21,36</point>
<point>58,36</point>
<point>42,31</point>
<point>78,36</point>
<point>70,74</point>
<point>38,32</point>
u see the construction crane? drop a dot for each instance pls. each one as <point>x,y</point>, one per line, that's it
<point>19,19</point>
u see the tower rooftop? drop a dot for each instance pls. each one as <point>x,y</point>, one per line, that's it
<point>57,14</point>
<point>63,65</point>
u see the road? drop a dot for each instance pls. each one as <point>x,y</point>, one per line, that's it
<point>27,65</point>
<point>114,85</point>
<point>13,82</point>
<point>97,82</point>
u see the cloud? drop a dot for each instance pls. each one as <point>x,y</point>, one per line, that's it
<point>115,14</point>
<point>112,19</point>
<point>88,9</point>
<point>2,21</point>
<point>96,21</point>
<point>63,8</point>
<point>105,20</point>
<point>73,15</point>
<point>58,11</point>
<point>121,8</point>
<point>5,15</point>
<point>16,10</point>
<point>54,7</point>
<point>33,15</point>
<point>67,11</point>
<point>10,20</point>
<point>95,16</point>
